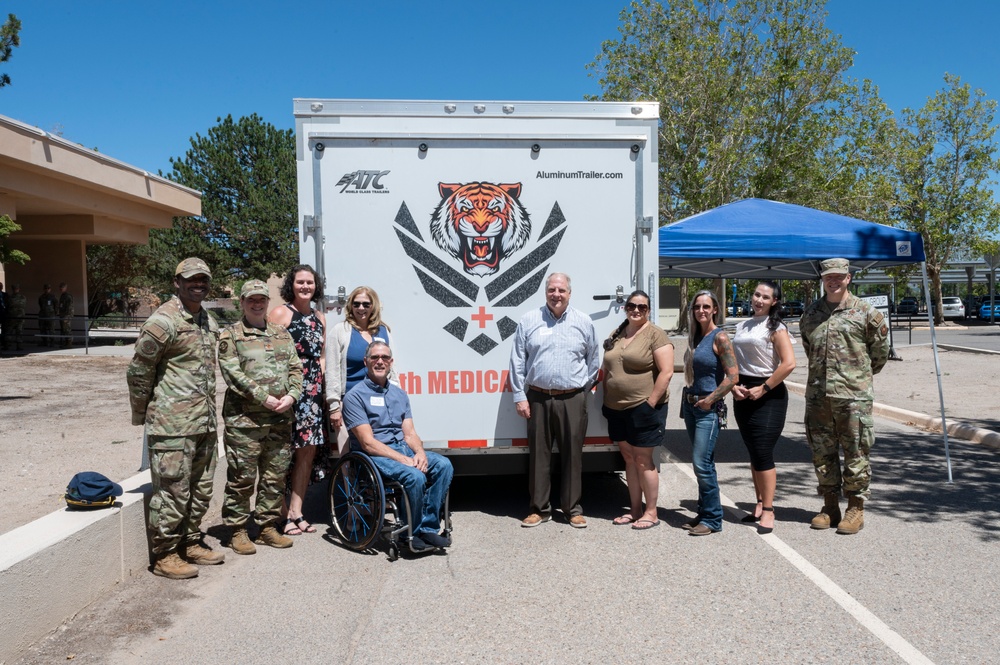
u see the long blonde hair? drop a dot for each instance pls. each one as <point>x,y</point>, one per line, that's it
<point>375,318</point>
<point>694,332</point>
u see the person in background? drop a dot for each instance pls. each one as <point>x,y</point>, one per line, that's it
<point>171,382</point>
<point>764,358</point>
<point>264,377</point>
<point>638,366</point>
<point>346,344</point>
<point>553,362</point>
<point>302,287</point>
<point>3,318</point>
<point>17,307</point>
<point>847,343</point>
<point>47,306</point>
<point>65,316</point>
<point>709,373</point>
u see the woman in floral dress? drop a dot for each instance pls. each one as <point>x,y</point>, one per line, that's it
<point>303,287</point>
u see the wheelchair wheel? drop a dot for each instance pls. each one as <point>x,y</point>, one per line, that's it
<point>357,500</point>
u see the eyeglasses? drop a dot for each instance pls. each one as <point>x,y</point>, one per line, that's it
<point>697,307</point>
<point>636,307</point>
<point>384,358</point>
<point>361,305</point>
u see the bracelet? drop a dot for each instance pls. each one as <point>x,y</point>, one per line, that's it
<point>765,387</point>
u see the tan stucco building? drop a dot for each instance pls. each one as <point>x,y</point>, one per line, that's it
<point>65,196</point>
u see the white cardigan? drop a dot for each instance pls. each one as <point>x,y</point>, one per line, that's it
<point>338,338</point>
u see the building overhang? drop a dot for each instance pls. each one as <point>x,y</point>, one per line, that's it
<point>58,190</point>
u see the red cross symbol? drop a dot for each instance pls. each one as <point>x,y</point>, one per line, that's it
<point>482,317</point>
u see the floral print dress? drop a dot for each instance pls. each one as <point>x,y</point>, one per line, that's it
<point>307,331</point>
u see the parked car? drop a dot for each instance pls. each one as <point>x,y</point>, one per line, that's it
<point>792,308</point>
<point>952,307</point>
<point>742,307</point>
<point>907,307</point>
<point>984,310</point>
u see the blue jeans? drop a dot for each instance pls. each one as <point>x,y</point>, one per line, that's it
<point>703,430</point>
<point>425,491</point>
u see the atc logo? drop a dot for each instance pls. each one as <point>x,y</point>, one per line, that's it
<point>363,182</point>
<point>481,226</point>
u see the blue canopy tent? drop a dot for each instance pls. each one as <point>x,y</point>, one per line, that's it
<point>760,239</point>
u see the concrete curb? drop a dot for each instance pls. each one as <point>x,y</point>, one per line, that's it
<point>969,433</point>
<point>55,566</point>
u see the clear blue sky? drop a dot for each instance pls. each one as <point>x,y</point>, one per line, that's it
<point>136,80</point>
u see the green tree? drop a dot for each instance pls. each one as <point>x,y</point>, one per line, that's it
<point>946,157</point>
<point>7,253</point>
<point>754,102</point>
<point>9,40</point>
<point>245,170</point>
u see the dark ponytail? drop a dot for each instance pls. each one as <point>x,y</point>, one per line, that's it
<point>609,343</point>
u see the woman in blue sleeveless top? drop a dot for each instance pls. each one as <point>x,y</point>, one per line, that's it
<point>709,373</point>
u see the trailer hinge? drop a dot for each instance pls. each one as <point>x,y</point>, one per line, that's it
<point>645,225</point>
<point>311,222</point>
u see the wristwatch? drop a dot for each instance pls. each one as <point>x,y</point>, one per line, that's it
<point>766,387</point>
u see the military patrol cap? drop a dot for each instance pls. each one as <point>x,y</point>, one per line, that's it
<point>89,489</point>
<point>192,266</point>
<point>254,287</point>
<point>834,267</point>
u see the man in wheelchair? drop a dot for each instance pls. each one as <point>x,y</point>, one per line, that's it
<point>377,415</point>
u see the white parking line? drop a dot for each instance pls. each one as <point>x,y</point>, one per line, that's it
<point>869,621</point>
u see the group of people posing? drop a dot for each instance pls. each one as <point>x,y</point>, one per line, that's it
<point>293,384</point>
<point>555,360</point>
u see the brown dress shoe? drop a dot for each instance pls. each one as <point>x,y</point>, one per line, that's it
<point>534,519</point>
<point>578,522</point>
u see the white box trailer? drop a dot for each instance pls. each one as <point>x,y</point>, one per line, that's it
<point>454,212</point>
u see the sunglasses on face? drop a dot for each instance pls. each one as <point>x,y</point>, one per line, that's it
<point>383,358</point>
<point>697,307</point>
<point>361,305</point>
<point>636,307</point>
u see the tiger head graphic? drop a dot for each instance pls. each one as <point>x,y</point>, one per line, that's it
<point>480,223</point>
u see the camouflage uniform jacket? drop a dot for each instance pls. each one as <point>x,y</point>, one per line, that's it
<point>171,378</point>
<point>17,306</point>
<point>65,304</point>
<point>256,364</point>
<point>47,305</point>
<point>846,347</point>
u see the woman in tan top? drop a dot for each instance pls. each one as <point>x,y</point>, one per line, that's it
<point>638,365</point>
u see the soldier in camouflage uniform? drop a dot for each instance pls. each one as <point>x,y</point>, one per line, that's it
<point>17,307</point>
<point>264,377</point>
<point>171,383</point>
<point>4,300</point>
<point>846,341</point>
<point>46,315</point>
<point>65,316</point>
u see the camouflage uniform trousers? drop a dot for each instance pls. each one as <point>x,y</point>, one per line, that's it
<point>13,331</point>
<point>256,454</point>
<point>832,425</point>
<point>45,330</point>
<point>182,469</point>
<point>66,329</point>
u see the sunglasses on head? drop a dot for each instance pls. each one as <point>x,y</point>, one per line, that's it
<point>636,307</point>
<point>361,305</point>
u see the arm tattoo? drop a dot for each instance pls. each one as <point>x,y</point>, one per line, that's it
<point>727,356</point>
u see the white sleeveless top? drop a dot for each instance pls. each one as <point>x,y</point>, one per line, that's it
<point>755,354</point>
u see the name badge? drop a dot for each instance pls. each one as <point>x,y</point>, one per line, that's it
<point>545,332</point>
<point>378,400</point>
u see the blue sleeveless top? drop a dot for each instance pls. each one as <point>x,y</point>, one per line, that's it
<point>356,356</point>
<point>708,371</point>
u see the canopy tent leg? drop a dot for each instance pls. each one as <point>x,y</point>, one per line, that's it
<point>937,367</point>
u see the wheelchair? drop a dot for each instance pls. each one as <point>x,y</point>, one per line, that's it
<point>365,506</point>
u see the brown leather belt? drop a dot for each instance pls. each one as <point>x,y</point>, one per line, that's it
<point>693,399</point>
<point>555,392</point>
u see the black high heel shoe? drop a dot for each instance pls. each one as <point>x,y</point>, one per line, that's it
<point>751,518</point>
<point>765,529</point>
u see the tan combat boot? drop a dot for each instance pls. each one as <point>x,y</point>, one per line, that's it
<point>202,556</point>
<point>830,514</point>
<point>174,567</point>
<point>241,544</point>
<point>270,536</point>
<point>854,518</point>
